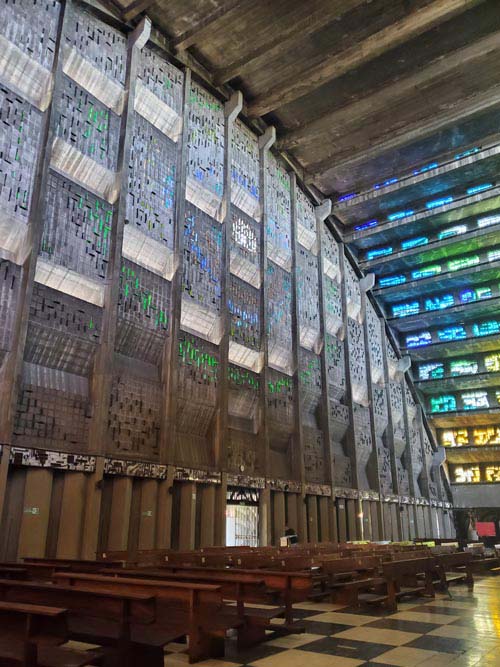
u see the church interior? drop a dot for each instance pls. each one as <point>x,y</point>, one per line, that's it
<point>249,333</point>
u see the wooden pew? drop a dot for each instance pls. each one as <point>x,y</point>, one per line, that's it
<point>96,617</point>
<point>242,588</point>
<point>30,636</point>
<point>459,564</point>
<point>408,577</point>
<point>74,564</point>
<point>183,608</point>
<point>38,571</point>
<point>13,572</point>
<point>288,587</point>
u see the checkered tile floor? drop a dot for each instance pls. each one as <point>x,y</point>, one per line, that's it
<point>462,632</point>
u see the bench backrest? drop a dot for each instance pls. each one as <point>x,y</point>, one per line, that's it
<point>99,604</point>
<point>178,594</point>
<point>401,569</point>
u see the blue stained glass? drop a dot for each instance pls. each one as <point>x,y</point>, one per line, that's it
<point>378,252</point>
<point>439,302</point>
<point>347,197</point>
<point>366,225</point>
<point>399,215</point>
<point>431,371</point>
<point>406,309</point>
<point>471,151</point>
<point>479,188</point>
<point>453,231</point>
<point>426,272</point>
<point>390,181</point>
<point>438,202</point>
<point>486,328</point>
<point>419,340</point>
<point>428,167</point>
<point>445,403</point>
<point>414,243</point>
<point>452,333</point>
<point>467,296</point>
<point>391,281</point>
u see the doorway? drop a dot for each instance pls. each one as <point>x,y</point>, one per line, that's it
<point>242,518</point>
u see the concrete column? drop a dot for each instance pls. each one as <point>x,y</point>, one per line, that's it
<point>69,539</point>
<point>278,500</point>
<point>187,522</point>
<point>405,522</point>
<point>351,510</point>
<point>342,519</point>
<point>396,522</point>
<point>147,518</point>
<point>302,525</point>
<point>324,518</point>
<point>119,520</point>
<point>208,516</point>
<point>93,492</point>
<point>220,512</point>
<point>419,520</point>
<point>412,521</point>
<point>332,512</point>
<point>366,519</point>
<point>4,471</point>
<point>387,521</point>
<point>312,518</point>
<point>164,511</point>
<point>291,510</point>
<point>36,507</point>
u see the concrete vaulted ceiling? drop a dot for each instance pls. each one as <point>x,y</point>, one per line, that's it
<point>392,109</point>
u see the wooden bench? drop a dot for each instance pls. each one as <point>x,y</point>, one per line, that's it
<point>241,588</point>
<point>183,609</point>
<point>73,564</point>
<point>96,617</point>
<point>30,636</point>
<point>454,568</point>
<point>408,577</point>
<point>40,571</point>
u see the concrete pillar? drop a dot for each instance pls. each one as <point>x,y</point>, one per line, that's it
<point>119,521</point>
<point>4,471</point>
<point>291,510</point>
<point>324,518</point>
<point>164,511</point>
<point>366,519</point>
<point>405,523</point>
<point>220,512</point>
<point>351,511</point>
<point>69,539</point>
<point>278,528</point>
<point>93,492</point>
<point>342,519</point>
<point>207,518</point>
<point>376,508</point>
<point>419,521</point>
<point>265,518</point>
<point>396,522</point>
<point>302,525</point>
<point>386,521</point>
<point>147,518</point>
<point>332,512</point>
<point>312,518</point>
<point>412,519</point>
<point>36,507</point>
<point>187,522</point>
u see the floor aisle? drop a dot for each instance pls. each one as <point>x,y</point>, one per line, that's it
<point>463,632</point>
